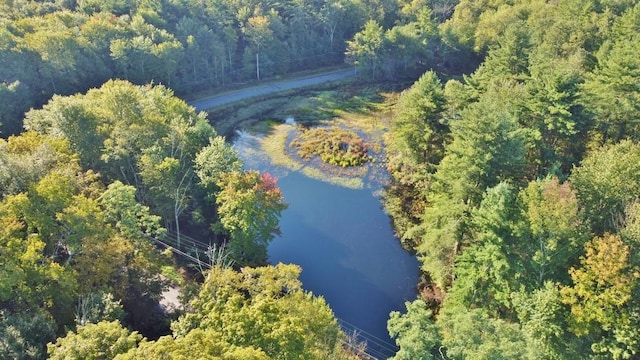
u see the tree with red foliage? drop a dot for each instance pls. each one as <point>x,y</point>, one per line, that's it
<point>249,205</point>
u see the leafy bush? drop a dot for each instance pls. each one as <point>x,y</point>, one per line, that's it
<point>334,145</point>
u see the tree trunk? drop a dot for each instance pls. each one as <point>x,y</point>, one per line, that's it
<point>176,213</point>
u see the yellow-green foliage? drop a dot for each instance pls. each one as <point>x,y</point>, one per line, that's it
<point>260,308</point>
<point>334,145</point>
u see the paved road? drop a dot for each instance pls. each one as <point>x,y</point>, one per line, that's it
<point>237,95</point>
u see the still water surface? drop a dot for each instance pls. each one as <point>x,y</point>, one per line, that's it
<point>344,243</point>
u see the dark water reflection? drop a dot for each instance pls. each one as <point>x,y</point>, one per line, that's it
<point>344,243</point>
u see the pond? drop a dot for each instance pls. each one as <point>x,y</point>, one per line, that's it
<point>344,243</point>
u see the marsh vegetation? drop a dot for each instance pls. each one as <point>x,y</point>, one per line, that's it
<point>330,134</point>
<point>334,145</point>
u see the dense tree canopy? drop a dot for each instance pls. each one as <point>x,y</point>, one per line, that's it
<point>103,340</point>
<point>257,313</point>
<point>514,166</point>
<point>62,241</point>
<point>87,190</point>
<point>142,136</point>
<point>67,47</point>
<point>525,222</point>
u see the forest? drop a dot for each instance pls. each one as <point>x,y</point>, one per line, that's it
<point>515,179</point>
<point>517,186</point>
<point>64,47</point>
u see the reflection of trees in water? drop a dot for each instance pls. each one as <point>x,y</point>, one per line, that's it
<point>249,148</point>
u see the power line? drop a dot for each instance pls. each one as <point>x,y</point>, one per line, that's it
<point>186,255</point>
<point>190,245</point>
<point>366,344</point>
<point>375,346</point>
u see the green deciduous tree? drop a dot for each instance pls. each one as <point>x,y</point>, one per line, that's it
<point>27,158</point>
<point>98,306</point>
<point>130,218</point>
<point>135,282</point>
<point>258,31</point>
<point>602,297</point>
<point>249,204</point>
<point>606,183</point>
<point>30,278</point>
<point>70,118</point>
<point>151,54</point>
<point>473,334</point>
<point>142,136</point>
<point>630,231</point>
<point>366,48</point>
<point>332,16</point>
<point>205,61</point>
<point>556,230</point>
<point>480,24</point>
<point>18,76</point>
<point>58,51</point>
<point>543,319</point>
<point>213,161</point>
<point>412,43</point>
<point>205,343</point>
<point>169,181</point>
<point>15,99</point>
<point>103,340</point>
<point>415,332</point>
<point>264,308</point>
<point>65,237</point>
<point>23,335</point>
